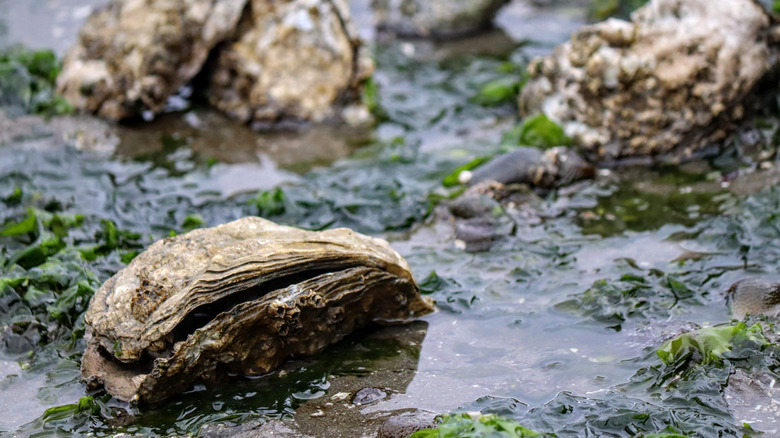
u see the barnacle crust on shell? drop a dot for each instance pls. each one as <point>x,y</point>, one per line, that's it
<point>240,297</point>
<point>669,83</point>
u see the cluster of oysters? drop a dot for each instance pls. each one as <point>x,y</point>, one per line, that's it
<point>238,298</point>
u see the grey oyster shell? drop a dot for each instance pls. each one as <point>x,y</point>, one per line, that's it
<point>241,298</point>
<point>669,82</point>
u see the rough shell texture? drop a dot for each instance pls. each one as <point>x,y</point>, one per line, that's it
<point>291,59</point>
<point>435,18</point>
<point>670,81</point>
<point>132,55</point>
<point>240,297</point>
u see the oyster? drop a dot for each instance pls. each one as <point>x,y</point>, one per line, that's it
<point>239,298</point>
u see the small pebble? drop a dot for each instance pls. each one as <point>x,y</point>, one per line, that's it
<point>339,396</point>
<point>368,395</point>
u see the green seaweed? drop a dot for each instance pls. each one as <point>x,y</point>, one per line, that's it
<point>270,203</point>
<point>75,419</point>
<point>463,425</point>
<point>637,296</point>
<point>538,131</point>
<point>677,393</point>
<point>708,345</point>
<point>498,91</point>
<point>503,295</point>
<point>28,80</point>
<point>193,221</point>
<point>453,178</point>
<point>504,88</point>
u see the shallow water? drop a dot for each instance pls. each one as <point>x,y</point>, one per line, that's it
<point>516,330</point>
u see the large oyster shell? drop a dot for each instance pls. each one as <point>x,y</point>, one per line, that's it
<point>240,297</point>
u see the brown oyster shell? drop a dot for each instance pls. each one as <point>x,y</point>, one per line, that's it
<point>240,298</point>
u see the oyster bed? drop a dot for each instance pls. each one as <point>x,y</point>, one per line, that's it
<point>556,326</point>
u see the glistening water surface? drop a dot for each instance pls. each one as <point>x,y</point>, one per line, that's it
<point>556,325</point>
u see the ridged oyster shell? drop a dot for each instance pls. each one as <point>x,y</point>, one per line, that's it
<point>241,298</point>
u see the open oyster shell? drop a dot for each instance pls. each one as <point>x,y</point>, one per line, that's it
<point>240,298</point>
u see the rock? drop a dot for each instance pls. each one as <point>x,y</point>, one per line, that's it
<point>487,212</point>
<point>435,18</point>
<point>474,205</point>
<point>669,82</point>
<point>252,429</point>
<point>752,399</point>
<point>132,55</point>
<point>554,167</point>
<point>238,298</point>
<point>403,425</point>
<point>367,396</point>
<point>292,59</point>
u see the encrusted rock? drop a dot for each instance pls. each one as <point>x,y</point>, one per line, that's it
<point>669,82</point>
<point>291,59</point>
<point>238,298</point>
<point>132,55</point>
<point>435,18</point>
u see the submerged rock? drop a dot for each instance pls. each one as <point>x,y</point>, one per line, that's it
<point>405,424</point>
<point>274,60</point>
<point>251,429</point>
<point>294,59</point>
<point>671,81</point>
<point>132,55</point>
<point>752,397</point>
<point>487,212</point>
<point>558,166</point>
<point>366,396</point>
<point>238,298</point>
<point>435,18</point>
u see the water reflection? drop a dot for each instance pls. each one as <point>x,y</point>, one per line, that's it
<point>214,136</point>
<point>385,358</point>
